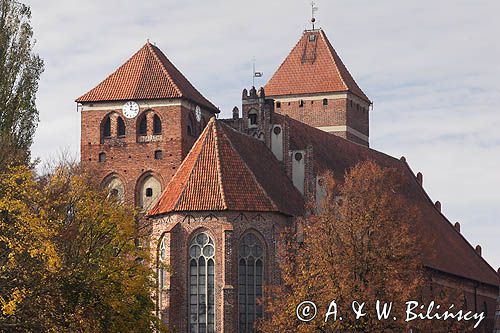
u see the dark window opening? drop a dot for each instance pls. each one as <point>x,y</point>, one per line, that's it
<point>158,155</point>
<point>106,131</point>
<point>143,126</point>
<point>189,130</point>
<point>278,105</point>
<point>113,193</point>
<point>149,192</point>
<point>301,103</point>
<point>156,125</point>
<point>325,101</point>
<point>102,157</point>
<point>120,127</point>
<point>253,118</point>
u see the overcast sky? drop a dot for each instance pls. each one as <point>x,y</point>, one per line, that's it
<point>432,69</point>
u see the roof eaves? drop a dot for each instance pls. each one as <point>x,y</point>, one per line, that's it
<point>405,163</point>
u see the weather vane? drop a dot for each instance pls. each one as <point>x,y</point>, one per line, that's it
<point>255,74</point>
<point>314,9</point>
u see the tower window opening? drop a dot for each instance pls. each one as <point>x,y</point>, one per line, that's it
<point>143,126</point>
<point>325,102</point>
<point>301,103</point>
<point>120,127</point>
<point>149,192</point>
<point>278,105</point>
<point>102,157</point>
<point>253,118</point>
<point>106,131</point>
<point>158,155</point>
<point>156,125</point>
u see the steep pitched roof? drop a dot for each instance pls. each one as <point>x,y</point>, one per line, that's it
<point>450,251</point>
<point>148,74</point>
<point>312,67</point>
<point>227,170</point>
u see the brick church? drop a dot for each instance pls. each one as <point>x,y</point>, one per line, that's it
<point>220,191</point>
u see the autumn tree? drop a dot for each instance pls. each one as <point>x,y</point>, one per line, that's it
<point>70,260</point>
<point>20,70</point>
<point>361,246</point>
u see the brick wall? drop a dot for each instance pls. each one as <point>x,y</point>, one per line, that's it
<point>226,229</point>
<point>131,157</point>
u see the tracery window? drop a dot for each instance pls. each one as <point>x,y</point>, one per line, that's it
<point>201,284</point>
<point>250,280</point>
<point>162,255</point>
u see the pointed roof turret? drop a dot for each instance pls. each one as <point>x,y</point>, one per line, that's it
<point>228,170</point>
<point>312,67</point>
<point>147,75</point>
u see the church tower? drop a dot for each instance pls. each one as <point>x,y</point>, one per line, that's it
<point>313,86</point>
<point>138,125</point>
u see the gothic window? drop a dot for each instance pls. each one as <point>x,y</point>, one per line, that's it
<point>156,125</point>
<point>250,280</point>
<point>142,129</point>
<point>325,102</point>
<point>106,128</point>
<point>201,284</point>
<point>115,187</point>
<point>120,126</point>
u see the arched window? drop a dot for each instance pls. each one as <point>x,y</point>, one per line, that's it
<point>250,280</point>
<point>142,128</point>
<point>106,127</point>
<point>325,102</point>
<point>115,187</point>
<point>201,284</point>
<point>120,127</point>
<point>156,125</point>
<point>301,103</point>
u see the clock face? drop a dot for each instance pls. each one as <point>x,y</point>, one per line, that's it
<point>198,113</point>
<point>130,109</point>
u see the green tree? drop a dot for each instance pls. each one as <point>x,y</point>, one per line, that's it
<point>20,70</point>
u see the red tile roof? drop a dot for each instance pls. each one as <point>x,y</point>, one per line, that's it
<point>312,67</point>
<point>148,74</point>
<point>227,170</point>
<point>450,251</point>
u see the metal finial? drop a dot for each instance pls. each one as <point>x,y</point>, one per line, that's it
<point>314,9</point>
<point>255,74</point>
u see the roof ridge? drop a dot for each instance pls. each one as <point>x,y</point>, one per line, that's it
<point>330,47</point>
<point>164,70</point>
<point>275,206</point>
<point>217,161</point>
<point>153,211</point>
